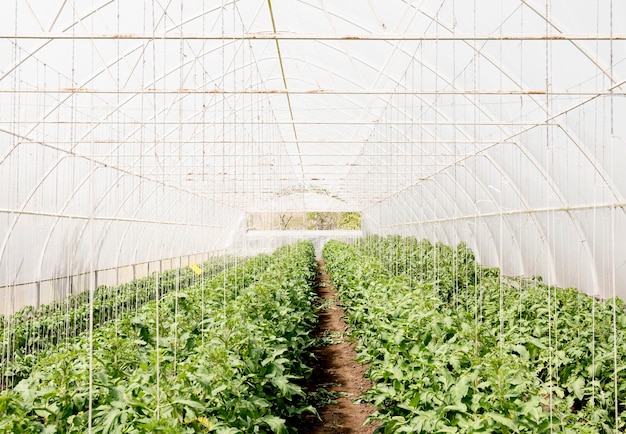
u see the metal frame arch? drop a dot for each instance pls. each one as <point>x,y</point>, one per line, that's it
<point>180,210</point>
<point>540,167</point>
<point>153,240</point>
<point>128,225</point>
<point>87,177</point>
<point>427,189</point>
<point>435,201</point>
<point>81,231</point>
<point>436,109</point>
<point>534,162</point>
<point>594,163</point>
<point>489,194</point>
<point>578,46</point>
<point>48,41</point>
<point>43,179</point>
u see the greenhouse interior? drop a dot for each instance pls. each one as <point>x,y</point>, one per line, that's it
<point>190,189</point>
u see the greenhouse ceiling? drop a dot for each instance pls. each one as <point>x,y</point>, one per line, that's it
<point>141,123</point>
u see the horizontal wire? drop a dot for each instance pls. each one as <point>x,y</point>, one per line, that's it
<point>100,218</point>
<point>263,36</point>
<point>319,91</point>
<point>513,212</point>
<point>372,122</point>
<point>109,269</point>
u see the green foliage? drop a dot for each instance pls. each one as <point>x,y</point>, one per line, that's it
<point>323,396</point>
<point>321,220</point>
<point>333,220</point>
<point>304,221</point>
<point>30,332</point>
<point>455,347</point>
<point>349,221</point>
<point>225,356</point>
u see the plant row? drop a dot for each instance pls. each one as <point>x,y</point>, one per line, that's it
<point>454,347</point>
<point>225,356</point>
<point>32,330</point>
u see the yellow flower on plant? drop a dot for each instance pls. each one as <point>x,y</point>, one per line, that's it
<point>204,421</point>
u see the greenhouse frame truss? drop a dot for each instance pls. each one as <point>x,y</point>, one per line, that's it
<point>145,132</point>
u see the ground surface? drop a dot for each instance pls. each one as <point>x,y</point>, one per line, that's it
<point>336,374</point>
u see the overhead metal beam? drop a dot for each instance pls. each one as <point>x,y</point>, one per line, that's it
<point>512,213</point>
<point>22,212</point>
<point>264,36</point>
<point>373,122</point>
<point>464,92</point>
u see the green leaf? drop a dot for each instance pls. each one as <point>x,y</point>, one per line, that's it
<point>577,387</point>
<point>43,412</point>
<point>460,389</point>
<point>109,421</point>
<point>287,389</point>
<point>191,404</point>
<point>533,408</point>
<point>446,429</point>
<point>218,389</point>
<point>503,420</point>
<point>459,407</point>
<point>227,430</point>
<point>275,423</point>
<point>522,351</point>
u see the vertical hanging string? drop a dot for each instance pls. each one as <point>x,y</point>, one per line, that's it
<point>406,148</point>
<point>263,166</point>
<point>475,72</point>
<point>181,99</point>
<point>521,114</point>
<point>435,109</point>
<point>91,223</point>
<point>455,153</point>
<point>156,199</point>
<point>120,132</point>
<point>12,199</point>
<point>595,214</point>
<point>549,172</point>
<point>142,132</point>
<point>613,213</point>
<point>222,174</point>
<point>412,145</point>
<point>236,105</point>
<point>199,181</point>
<point>501,218</point>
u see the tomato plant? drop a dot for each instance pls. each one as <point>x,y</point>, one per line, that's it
<point>224,356</point>
<point>29,332</point>
<point>456,347</point>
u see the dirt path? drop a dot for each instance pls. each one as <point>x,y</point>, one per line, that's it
<point>336,375</point>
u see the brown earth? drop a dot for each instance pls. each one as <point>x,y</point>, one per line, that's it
<point>336,374</point>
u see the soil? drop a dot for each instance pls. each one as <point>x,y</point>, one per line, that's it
<point>336,373</point>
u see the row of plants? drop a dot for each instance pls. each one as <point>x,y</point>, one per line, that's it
<point>455,347</point>
<point>448,270</point>
<point>224,356</point>
<point>32,330</point>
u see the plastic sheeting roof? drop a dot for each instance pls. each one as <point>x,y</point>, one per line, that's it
<point>147,122</point>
